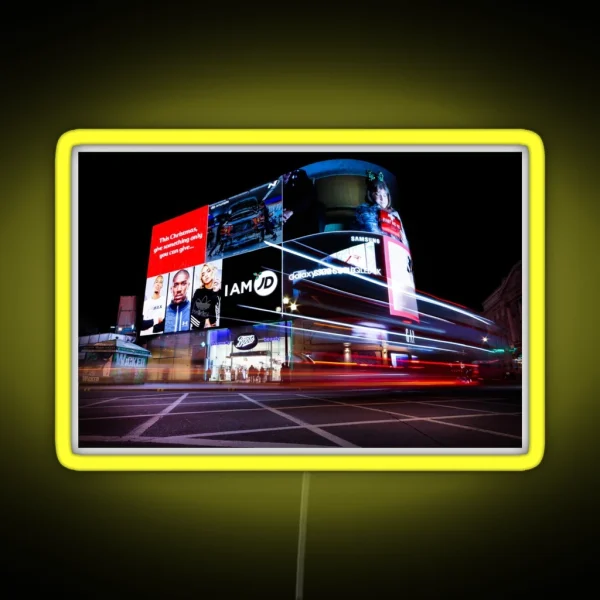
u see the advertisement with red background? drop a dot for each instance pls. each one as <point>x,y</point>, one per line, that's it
<point>390,225</point>
<point>178,243</point>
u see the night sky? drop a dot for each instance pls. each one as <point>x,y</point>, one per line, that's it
<point>461,213</point>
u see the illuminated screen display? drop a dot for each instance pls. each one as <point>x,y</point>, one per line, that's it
<point>337,272</point>
<point>155,304</point>
<point>206,295</point>
<point>242,223</point>
<point>338,227</point>
<point>177,317</point>
<point>251,287</point>
<point>401,284</point>
<point>178,243</point>
<point>341,195</point>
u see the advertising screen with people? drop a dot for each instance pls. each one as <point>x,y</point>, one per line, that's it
<point>333,224</point>
<point>177,317</point>
<point>155,304</point>
<point>206,296</point>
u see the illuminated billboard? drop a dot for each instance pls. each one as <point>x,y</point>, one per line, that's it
<point>251,287</point>
<point>178,243</point>
<point>243,223</point>
<point>206,295</point>
<point>363,272</point>
<point>341,195</point>
<point>334,221</point>
<point>155,304</point>
<point>401,284</point>
<point>178,313</point>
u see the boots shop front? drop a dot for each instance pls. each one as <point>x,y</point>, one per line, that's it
<point>245,354</point>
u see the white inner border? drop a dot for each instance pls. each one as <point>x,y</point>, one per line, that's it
<point>314,150</point>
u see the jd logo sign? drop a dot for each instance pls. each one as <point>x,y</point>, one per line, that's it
<point>245,342</point>
<point>264,284</point>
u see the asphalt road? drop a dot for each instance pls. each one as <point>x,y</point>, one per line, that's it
<point>476,417</point>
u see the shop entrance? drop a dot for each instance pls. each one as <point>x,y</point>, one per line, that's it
<point>253,367</point>
<point>261,364</point>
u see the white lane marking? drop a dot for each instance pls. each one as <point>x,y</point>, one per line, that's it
<point>265,429</point>
<point>436,419</point>
<point>168,439</point>
<point>437,399</point>
<point>362,406</point>
<point>328,436</point>
<point>407,401</point>
<point>336,424</point>
<point>508,435</point>
<point>237,410</point>
<point>189,441</point>
<point>126,398</point>
<point>167,404</point>
<point>477,410</point>
<point>147,424</point>
<point>171,414</point>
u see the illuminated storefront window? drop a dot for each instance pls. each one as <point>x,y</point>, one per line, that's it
<point>252,354</point>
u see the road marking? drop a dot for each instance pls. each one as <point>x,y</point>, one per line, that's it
<point>186,440</point>
<point>409,401</point>
<point>167,404</point>
<point>336,424</point>
<point>508,435</point>
<point>266,429</point>
<point>437,399</point>
<point>361,406</point>
<point>171,414</point>
<point>436,419</point>
<point>147,424</point>
<point>478,410</point>
<point>328,436</point>
<point>133,397</point>
<point>235,443</point>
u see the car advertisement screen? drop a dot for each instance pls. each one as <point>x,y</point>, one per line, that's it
<point>243,223</point>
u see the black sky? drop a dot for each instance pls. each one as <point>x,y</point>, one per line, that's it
<point>461,212</point>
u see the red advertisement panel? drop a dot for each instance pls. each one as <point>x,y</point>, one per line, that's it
<point>390,225</point>
<point>178,243</point>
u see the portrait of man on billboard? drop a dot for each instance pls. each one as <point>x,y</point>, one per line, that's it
<point>177,316</point>
<point>376,214</point>
<point>206,299</point>
<point>155,302</point>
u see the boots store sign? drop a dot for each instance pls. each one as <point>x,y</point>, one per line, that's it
<point>245,341</point>
<point>251,287</point>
